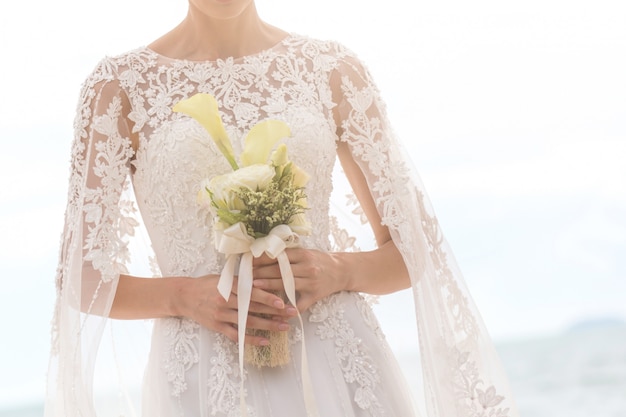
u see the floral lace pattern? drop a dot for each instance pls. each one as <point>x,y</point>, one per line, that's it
<point>308,84</point>
<point>358,367</point>
<point>178,150</point>
<point>479,402</point>
<point>457,301</point>
<point>110,164</point>
<point>224,379</point>
<point>476,402</point>
<point>364,304</point>
<point>182,352</point>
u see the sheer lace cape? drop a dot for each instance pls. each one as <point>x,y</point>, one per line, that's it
<point>126,96</point>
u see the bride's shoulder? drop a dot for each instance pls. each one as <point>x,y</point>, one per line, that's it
<point>311,45</point>
<point>332,56</point>
<point>123,65</point>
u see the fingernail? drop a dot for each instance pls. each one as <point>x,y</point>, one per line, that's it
<point>283,326</point>
<point>292,311</point>
<point>279,304</point>
<point>264,342</point>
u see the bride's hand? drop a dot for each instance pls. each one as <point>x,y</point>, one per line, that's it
<point>201,302</point>
<point>317,275</point>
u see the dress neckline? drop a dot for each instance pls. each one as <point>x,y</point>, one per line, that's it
<point>212,61</point>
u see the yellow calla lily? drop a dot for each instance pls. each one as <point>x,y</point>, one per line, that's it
<point>261,139</point>
<point>300,177</point>
<point>203,108</point>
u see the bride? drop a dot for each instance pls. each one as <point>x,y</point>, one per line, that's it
<point>138,164</point>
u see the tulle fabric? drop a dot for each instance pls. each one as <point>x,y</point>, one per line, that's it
<point>462,375</point>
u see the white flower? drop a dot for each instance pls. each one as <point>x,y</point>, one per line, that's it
<point>223,194</point>
<point>225,187</point>
<point>254,177</point>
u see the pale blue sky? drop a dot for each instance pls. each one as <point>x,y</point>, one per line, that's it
<point>514,113</point>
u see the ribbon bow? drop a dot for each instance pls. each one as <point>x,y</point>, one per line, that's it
<point>235,241</point>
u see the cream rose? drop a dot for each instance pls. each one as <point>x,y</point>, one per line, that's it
<point>225,187</point>
<point>224,195</point>
<point>254,177</point>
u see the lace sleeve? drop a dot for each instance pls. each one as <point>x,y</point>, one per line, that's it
<point>462,374</point>
<point>94,241</point>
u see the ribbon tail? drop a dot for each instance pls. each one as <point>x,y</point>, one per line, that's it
<point>227,277</point>
<point>244,293</point>
<point>287,277</point>
<point>290,289</point>
<point>307,384</point>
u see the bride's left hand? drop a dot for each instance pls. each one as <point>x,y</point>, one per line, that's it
<point>317,275</point>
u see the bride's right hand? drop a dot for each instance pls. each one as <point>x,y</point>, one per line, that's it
<point>201,302</point>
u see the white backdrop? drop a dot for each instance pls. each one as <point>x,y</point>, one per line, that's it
<point>514,113</point>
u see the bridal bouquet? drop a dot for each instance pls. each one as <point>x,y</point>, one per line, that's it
<point>257,208</point>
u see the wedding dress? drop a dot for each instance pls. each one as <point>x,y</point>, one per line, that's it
<point>192,371</point>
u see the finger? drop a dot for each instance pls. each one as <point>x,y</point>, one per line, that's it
<point>228,311</point>
<point>260,296</point>
<point>266,323</point>
<point>287,312</point>
<point>232,334</point>
<point>256,340</point>
<point>307,269</point>
<point>258,308</point>
<point>269,284</point>
<point>297,255</point>
<point>229,316</point>
<point>266,271</point>
<point>263,302</point>
<point>267,298</point>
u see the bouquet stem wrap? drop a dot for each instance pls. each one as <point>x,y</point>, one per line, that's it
<point>277,353</point>
<point>237,245</point>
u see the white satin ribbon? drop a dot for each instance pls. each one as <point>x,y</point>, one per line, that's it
<point>234,241</point>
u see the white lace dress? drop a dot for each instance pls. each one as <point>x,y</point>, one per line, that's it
<point>192,371</point>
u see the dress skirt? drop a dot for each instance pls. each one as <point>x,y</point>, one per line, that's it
<point>194,372</point>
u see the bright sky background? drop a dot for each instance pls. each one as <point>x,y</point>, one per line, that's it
<point>514,113</point>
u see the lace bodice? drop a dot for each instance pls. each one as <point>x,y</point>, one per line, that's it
<point>281,83</point>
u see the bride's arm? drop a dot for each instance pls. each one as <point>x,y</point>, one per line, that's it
<point>361,132</point>
<point>199,300</point>
<point>380,271</point>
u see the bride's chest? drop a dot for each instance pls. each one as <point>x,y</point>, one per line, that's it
<point>181,150</point>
